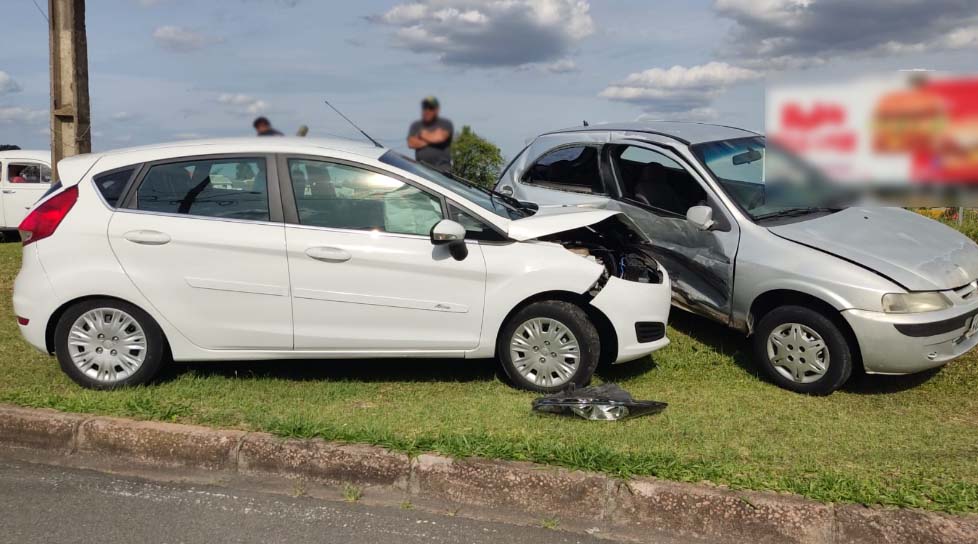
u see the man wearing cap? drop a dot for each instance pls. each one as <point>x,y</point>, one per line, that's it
<point>431,137</point>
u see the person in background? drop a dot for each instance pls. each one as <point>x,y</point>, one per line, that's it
<point>263,127</point>
<point>431,137</point>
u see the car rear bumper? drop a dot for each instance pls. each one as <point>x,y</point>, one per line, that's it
<point>33,298</point>
<point>627,303</point>
<point>908,343</point>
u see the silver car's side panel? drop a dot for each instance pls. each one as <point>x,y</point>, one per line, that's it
<point>768,263</point>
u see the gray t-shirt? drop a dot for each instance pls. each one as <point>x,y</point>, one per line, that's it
<point>436,155</point>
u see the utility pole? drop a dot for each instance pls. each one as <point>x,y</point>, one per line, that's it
<point>70,113</point>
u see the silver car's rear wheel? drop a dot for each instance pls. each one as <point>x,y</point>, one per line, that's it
<point>107,345</point>
<point>545,352</point>
<point>798,353</point>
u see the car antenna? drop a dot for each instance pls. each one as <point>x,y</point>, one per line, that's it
<point>347,119</point>
<point>586,123</point>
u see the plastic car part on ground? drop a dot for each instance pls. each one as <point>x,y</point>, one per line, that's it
<point>605,402</point>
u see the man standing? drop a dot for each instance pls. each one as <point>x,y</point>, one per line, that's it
<point>263,127</point>
<point>431,137</point>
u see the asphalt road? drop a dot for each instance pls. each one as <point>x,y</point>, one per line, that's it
<point>45,504</point>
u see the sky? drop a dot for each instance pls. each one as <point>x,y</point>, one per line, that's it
<point>163,70</point>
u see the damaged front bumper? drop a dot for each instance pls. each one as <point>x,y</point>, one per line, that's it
<point>909,343</point>
<point>636,310</point>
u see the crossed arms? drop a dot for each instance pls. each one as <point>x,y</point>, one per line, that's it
<point>427,137</point>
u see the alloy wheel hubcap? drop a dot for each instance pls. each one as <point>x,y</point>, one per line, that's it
<point>545,352</point>
<point>798,353</point>
<point>107,344</point>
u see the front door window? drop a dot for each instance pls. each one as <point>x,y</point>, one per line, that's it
<point>655,180</point>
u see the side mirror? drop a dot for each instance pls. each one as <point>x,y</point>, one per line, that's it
<point>701,217</point>
<point>449,233</point>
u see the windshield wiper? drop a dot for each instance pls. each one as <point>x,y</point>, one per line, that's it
<point>794,212</point>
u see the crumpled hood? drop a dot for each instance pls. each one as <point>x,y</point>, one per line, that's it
<point>918,253</point>
<point>554,219</point>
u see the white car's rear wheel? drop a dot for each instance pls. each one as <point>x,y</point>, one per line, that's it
<point>549,345</point>
<point>106,343</point>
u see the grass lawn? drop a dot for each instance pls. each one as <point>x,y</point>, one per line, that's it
<point>905,441</point>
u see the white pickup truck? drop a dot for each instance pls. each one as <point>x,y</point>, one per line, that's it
<point>24,178</point>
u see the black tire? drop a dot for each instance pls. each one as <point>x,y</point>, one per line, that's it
<point>576,322</point>
<point>156,349</point>
<point>840,358</point>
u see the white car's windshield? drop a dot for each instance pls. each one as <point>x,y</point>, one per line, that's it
<point>496,203</point>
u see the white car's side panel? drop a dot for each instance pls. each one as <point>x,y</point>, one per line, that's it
<point>77,266</point>
<point>518,271</point>
<point>377,291</point>
<point>224,284</point>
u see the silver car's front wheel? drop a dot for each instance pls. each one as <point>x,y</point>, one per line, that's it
<point>804,349</point>
<point>107,345</point>
<point>545,352</point>
<point>798,353</point>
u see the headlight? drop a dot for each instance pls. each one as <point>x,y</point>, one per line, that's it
<point>911,303</point>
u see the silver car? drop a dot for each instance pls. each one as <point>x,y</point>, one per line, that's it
<point>819,290</point>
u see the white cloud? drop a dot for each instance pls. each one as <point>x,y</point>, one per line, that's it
<point>680,89</point>
<point>181,39</point>
<point>242,103</point>
<point>19,115</point>
<point>122,116</point>
<point>7,84</point>
<point>487,33</point>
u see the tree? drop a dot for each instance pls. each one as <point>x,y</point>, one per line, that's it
<point>475,158</point>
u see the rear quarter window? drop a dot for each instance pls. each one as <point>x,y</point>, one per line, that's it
<point>112,184</point>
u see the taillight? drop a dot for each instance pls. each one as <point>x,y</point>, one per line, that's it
<point>44,220</point>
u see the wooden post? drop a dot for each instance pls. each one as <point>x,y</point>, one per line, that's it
<point>70,113</point>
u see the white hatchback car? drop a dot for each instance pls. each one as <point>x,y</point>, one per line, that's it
<point>279,248</point>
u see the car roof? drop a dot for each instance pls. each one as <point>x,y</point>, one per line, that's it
<point>683,131</point>
<point>27,154</point>
<point>270,144</point>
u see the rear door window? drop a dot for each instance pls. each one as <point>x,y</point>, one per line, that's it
<point>224,188</point>
<point>570,168</point>
<point>20,172</point>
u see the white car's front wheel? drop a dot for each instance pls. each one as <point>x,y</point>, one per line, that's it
<point>106,343</point>
<point>549,345</point>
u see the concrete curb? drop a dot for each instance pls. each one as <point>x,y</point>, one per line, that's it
<point>643,506</point>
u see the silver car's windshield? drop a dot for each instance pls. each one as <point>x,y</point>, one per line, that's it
<point>767,182</point>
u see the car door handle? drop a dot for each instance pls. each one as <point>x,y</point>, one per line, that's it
<point>329,254</point>
<point>147,237</point>
<point>9,191</point>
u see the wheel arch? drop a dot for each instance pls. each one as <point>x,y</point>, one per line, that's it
<point>52,323</point>
<point>770,300</point>
<point>606,331</point>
